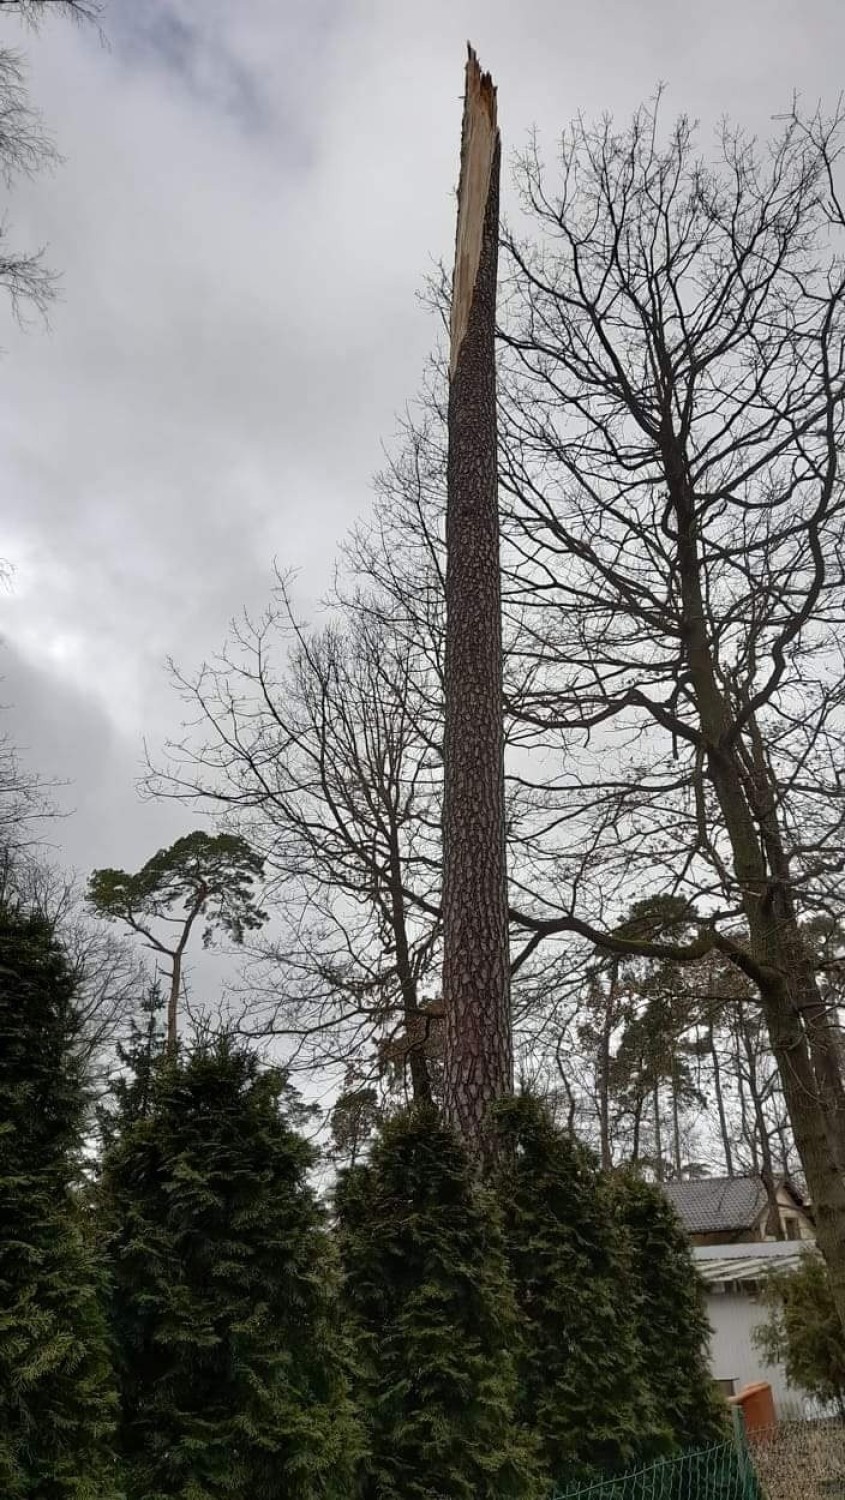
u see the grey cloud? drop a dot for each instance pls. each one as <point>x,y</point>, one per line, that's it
<point>250,197</point>
<point>65,737</point>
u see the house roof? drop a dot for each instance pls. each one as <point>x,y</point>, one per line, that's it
<point>715,1204</point>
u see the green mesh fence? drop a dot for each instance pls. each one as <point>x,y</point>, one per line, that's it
<point>721,1472</point>
<point>798,1460</point>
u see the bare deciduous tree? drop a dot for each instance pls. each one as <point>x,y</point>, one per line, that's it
<point>674,413</point>
<point>26,149</point>
<point>34,11</point>
<point>671,409</point>
<point>326,761</point>
<point>24,807</point>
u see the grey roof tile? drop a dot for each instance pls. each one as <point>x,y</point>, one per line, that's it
<point>712,1204</point>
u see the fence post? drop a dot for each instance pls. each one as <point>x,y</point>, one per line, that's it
<point>744,1461</point>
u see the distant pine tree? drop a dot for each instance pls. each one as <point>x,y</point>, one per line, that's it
<point>232,1369</point>
<point>426,1288</point>
<point>57,1402</point>
<point>668,1305</point>
<point>583,1387</point>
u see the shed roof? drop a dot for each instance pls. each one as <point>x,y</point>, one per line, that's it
<point>729,1263</point>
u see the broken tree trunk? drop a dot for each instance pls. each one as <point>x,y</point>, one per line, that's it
<point>478,1052</point>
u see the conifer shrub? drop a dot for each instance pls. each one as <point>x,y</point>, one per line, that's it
<point>232,1368</point>
<point>668,1303</point>
<point>803,1331</point>
<point>582,1383</point>
<point>427,1293</point>
<point>57,1400</point>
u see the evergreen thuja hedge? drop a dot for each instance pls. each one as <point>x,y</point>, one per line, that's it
<point>583,1385</point>
<point>57,1403</point>
<point>670,1319</point>
<point>427,1294</point>
<point>231,1365</point>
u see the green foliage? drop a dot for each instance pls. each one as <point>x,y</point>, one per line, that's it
<point>671,1323</point>
<point>803,1331</point>
<point>582,1384</point>
<point>133,1090</point>
<point>354,1117</point>
<point>654,1049</point>
<point>427,1292</point>
<point>230,1361</point>
<point>215,873</point>
<point>57,1404</point>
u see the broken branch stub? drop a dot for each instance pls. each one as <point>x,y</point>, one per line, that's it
<point>479,154</point>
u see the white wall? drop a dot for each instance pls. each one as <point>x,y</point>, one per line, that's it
<point>733,1355</point>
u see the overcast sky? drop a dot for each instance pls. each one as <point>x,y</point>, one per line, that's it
<point>250,198</point>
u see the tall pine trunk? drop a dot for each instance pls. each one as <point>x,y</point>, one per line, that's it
<point>659,1166</point>
<point>478,1061</point>
<point>677,1153</point>
<point>720,1102</point>
<point>604,1064</point>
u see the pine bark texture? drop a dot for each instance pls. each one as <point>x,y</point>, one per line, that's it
<point>478,1054</point>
